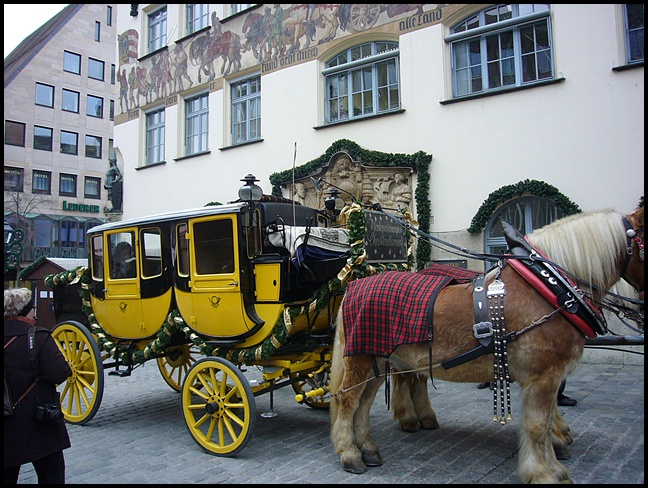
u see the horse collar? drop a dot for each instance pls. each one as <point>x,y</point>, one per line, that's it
<point>631,235</point>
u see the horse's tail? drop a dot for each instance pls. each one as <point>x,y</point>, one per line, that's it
<point>337,365</point>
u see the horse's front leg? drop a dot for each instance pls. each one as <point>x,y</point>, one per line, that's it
<point>537,462</point>
<point>412,407</point>
<point>368,447</point>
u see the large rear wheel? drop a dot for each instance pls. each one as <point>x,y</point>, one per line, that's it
<point>218,406</point>
<point>82,392</point>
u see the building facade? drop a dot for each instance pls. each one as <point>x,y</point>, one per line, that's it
<point>527,112</point>
<point>59,109</point>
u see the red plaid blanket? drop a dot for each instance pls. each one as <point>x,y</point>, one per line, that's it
<point>386,310</point>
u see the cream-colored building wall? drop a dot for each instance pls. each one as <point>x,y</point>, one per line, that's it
<point>583,135</point>
<point>47,67</point>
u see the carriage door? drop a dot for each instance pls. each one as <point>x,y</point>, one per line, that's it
<point>120,313</point>
<point>214,305</point>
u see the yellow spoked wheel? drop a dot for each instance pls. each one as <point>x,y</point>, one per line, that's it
<point>218,406</point>
<point>82,392</point>
<point>175,366</point>
<point>310,383</point>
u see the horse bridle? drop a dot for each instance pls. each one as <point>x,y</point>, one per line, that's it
<point>632,236</point>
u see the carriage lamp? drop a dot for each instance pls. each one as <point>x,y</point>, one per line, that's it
<point>250,192</point>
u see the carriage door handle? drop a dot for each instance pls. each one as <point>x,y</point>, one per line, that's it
<point>233,283</point>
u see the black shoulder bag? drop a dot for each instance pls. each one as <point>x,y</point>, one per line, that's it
<point>9,406</point>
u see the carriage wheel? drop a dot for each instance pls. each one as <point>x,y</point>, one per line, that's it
<point>82,392</point>
<point>218,406</point>
<point>175,366</point>
<point>363,16</point>
<point>311,382</point>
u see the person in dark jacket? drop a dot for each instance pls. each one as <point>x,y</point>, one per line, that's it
<point>26,438</point>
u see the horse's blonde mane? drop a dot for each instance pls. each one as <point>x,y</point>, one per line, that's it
<point>589,245</point>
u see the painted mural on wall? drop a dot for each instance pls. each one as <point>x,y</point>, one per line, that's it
<point>270,37</point>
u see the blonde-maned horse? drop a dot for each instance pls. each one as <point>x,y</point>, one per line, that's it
<point>593,249</point>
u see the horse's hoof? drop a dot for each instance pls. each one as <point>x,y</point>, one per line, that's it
<point>372,459</point>
<point>353,468</point>
<point>562,452</point>
<point>410,425</point>
<point>429,423</point>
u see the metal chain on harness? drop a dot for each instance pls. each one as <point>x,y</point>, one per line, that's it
<point>501,379</point>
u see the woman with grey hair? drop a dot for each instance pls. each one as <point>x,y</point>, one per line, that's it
<point>35,431</point>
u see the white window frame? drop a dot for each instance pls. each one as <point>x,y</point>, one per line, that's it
<point>157,29</point>
<point>155,133</point>
<point>362,81</point>
<point>197,17</point>
<point>470,40</point>
<point>197,124</point>
<point>246,110</point>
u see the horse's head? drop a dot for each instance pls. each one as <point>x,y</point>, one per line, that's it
<point>633,269</point>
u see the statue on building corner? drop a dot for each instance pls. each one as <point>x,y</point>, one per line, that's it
<point>114,185</point>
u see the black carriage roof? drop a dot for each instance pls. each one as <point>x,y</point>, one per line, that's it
<point>271,210</point>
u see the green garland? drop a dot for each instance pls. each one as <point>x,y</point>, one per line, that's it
<point>508,192</point>
<point>356,268</point>
<point>419,162</point>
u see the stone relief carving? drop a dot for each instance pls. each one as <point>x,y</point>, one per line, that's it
<point>391,187</point>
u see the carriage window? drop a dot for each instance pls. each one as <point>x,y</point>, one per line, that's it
<point>361,81</point>
<point>151,252</point>
<point>97,257</point>
<point>122,257</point>
<point>183,250</point>
<point>502,47</point>
<point>214,247</point>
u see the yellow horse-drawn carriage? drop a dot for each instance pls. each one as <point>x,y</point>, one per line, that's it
<point>254,282</point>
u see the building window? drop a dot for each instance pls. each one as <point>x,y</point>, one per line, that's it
<point>197,125</point>
<point>97,31</point>
<point>155,137</point>
<point>109,15</point>
<point>239,7</point>
<point>112,110</point>
<point>72,62</point>
<point>634,27</point>
<point>70,101</point>
<point>112,74</point>
<point>44,95</point>
<point>197,17</point>
<point>525,214</point>
<point>246,110</point>
<point>363,81</point>
<point>67,185</point>
<point>42,182</point>
<point>69,233</point>
<point>96,69</point>
<point>502,47</point>
<point>13,179</point>
<point>93,146</point>
<point>14,133</point>
<point>95,107</point>
<point>69,142</point>
<point>92,187</point>
<point>42,138</point>
<point>157,29</point>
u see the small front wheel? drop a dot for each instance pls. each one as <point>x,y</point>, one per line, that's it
<point>218,406</point>
<point>175,365</point>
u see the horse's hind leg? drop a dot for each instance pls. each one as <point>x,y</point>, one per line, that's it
<point>412,407</point>
<point>368,448</point>
<point>349,396</point>
<point>560,437</point>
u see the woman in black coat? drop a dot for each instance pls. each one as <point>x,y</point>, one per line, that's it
<point>27,439</point>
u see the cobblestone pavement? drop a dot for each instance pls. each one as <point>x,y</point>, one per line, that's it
<point>139,436</point>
